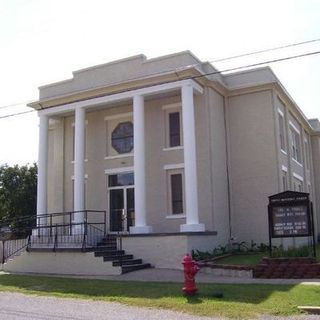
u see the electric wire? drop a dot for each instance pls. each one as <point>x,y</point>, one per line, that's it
<point>200,63</point>
<point>208,74</point>
<point>266,50</point>
<point>15,104</point>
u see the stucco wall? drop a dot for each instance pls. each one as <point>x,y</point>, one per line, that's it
<point>219,172</point>
<point>316,166</point>
<point>253,165</point>
<point>167,251</point>
<point>100,156</point>
<point>71,263</point>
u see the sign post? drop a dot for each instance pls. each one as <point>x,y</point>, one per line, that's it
<point>290,215</point>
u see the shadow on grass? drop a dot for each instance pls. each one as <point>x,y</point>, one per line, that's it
<point>104,289</point>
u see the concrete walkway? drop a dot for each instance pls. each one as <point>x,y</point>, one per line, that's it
<point>170,275</point>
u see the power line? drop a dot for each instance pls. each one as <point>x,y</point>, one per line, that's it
<point>209,74</point>
<point>16,114</point>
<point>259,64</point>
<point>200,63</point>
<point>266,50</point>
<point>15,104</point>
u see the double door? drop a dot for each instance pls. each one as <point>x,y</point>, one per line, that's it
<point>121,208</point>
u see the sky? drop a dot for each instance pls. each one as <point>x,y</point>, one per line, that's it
<point>43,41</point>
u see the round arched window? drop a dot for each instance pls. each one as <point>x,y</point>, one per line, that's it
<point>122,137</point>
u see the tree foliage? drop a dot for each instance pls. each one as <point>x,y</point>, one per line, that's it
<point>18,197</point>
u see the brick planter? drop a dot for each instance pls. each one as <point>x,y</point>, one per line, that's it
<point>287,268</point>
<point>225,270</point>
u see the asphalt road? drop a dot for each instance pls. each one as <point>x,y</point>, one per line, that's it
<point>15,306</point>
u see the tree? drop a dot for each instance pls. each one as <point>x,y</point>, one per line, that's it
<point>18,197</point>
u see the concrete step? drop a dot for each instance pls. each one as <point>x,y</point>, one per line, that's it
<point>108,253</point>
<point>106,245</point>
<point>126,262</point>
<point>134,267</point>
<point>118,257</point>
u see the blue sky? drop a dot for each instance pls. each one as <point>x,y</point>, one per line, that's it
<point>43,41</point>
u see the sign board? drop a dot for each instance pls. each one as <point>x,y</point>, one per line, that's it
<point>290,215</point>
<point>290,221</point>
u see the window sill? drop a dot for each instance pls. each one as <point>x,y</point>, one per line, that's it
<point>119,156</point>
<point>284,152</point>
<point>297,162</point>
<point>176,216</point>
<point>173,148</point>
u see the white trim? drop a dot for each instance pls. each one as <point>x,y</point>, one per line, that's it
<point>176,216</point>
<point>120,187</point>
<point>118,116</point>
<point>281,112</point>
<point>284,168</point>
<point>100,101</point>
<point>297,176</point>
<point>173,148</point>
<point>294,127</point>
<point>173,166</point>
<point>297,162</point>
<point>118,170</point>
<point>124,155</point>
<point>284,152</point>
<point>172,106</point>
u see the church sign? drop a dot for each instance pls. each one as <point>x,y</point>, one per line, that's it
<point>290,215</point>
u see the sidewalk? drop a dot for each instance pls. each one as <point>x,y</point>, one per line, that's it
<point>170,275</point>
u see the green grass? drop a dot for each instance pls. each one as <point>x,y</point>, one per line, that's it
<point>238,301</point>
<point>251,259</point>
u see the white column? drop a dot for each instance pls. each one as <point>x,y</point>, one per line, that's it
<point>42,169</point>
<point>139,167</point>
<point>190,163</point>
<point>79,173</point>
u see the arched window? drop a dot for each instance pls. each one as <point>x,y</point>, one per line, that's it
<point>122,137</point>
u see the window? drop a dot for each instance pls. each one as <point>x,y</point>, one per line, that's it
<point>174,129</point>
<point>122,137</point>
<point>284,181</point>
<point>173,126</point>
<point>176,193</point>
<point>121,179</point>
<point>296,147</point>
<point>297,185</point>
<point>282,132</point>
<point>306,150</point>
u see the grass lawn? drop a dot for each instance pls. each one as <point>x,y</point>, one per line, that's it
<point>238,301</point>
<point>252,259</point>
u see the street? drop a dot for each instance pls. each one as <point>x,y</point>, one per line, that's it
<point>16,306</point>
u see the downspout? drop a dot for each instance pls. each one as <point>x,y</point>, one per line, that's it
<point>225,106</point>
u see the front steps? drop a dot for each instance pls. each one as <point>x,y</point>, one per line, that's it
<point>107,249</point>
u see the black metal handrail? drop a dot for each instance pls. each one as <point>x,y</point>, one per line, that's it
<point>11,248</point>
<point>54,232</point>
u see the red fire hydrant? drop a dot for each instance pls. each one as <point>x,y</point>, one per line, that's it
<point>190,268</point>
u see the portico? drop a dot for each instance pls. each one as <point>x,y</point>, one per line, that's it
<point>187,88</point>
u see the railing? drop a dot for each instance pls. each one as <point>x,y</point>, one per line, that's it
<point>74,229</point>
<point>10,248</point>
